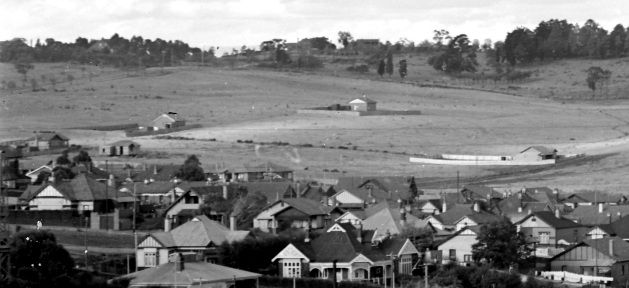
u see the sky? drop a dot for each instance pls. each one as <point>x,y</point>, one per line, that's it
<point>222,23</point>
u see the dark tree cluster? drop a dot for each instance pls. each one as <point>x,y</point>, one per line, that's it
<point>117,51</point>
<point>558,39</point>
<point>191,170</point>
<point>459,56</point>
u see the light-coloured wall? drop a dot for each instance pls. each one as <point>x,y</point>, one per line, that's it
<point>462,243</point>
<point>579,257</point>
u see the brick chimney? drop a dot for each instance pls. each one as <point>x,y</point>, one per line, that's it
<point>179,263</point>
<point>225,196</point>
<point>600,208</point>
<point>476,207</point>
<point>232,223</point>
<point>611,247</point>
<point>359,233</point>
<point>557,213</point>
<point>402,216</point>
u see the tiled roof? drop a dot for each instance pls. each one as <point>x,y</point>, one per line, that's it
<point>263,167</point>
<point>594,197</point>
<point>193,274</point>
<point>620,227</point>
<point>156,187</point>
<point>543,150</point>
<point>589,215</point>
<point>305,205</point>
<point>201,232</point>
<point>270,190</point>
<point>620,247</point>
<point>389,220</point>
<point>549,218</point>
<point>454,214</point>
<point>80,188</point>
<point>480,192</point>
<point>156,172</point>
<point>47,136</point>
<point>391,188</point>
<point>483,217</point>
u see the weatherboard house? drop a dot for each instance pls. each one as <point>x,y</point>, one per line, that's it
<point>363,104</point>
<point>356,255</point>
<point>167,121</point>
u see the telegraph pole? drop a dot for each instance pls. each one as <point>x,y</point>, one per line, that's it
<point>5,261</point>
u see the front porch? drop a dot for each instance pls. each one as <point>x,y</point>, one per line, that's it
<point>362,272</point>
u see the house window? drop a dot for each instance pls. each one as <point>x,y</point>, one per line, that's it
<point>406,264</point>
<point>544,237</point>
<point>291,268</point>
<point>453,254</point>
<point>150,259</point>
<point>191,199</point>
<point>467,258</point>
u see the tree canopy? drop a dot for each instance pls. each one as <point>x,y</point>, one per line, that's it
<point>191,170</point>
<point>500,244</point>
<point>459,56</point>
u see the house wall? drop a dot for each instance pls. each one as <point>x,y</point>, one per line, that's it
<point>462,243</point>
<point>429,208</point>
<point>435,223</point>
<point>50,199</point>
<point>528,155</point>
<point>581,260</point>
<point>358,106</point>
<point>464,222</point>
<point>56,143</point>
<point>620,273</point>
<point>346,197</point>
<point>532,228</point>
<point>264,221</point>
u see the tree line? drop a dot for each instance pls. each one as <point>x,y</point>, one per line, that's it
<point>116,51</point>
<point>557,39</point>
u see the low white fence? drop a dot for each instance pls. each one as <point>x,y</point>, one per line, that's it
<point>480,163</point>
<point>574,277</point>
<point>476,157</point>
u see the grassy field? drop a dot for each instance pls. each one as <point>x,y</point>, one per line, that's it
<point>258,105</point>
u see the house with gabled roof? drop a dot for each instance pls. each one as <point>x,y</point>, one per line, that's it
<point>272,191</point>
<point>549,230</point>
<point>605,257</point>
<point>477,192</point>
<point>200,235</point>
<point>166,121</point>
<point>447,220</point>
<point>536,153</point>
<point>363,104</point>
<point>356,257</point>
<point>155,172</point>
<point>120,148</point>
<point>477,218</point>
<point>346,200</point>
<point>376,189</point>
<point>34,174</point>
<point>591,198</point>
<point>48,140</point>
<point>81,193</point>
<point>390,221</point>
<point>292,213</point>
<point>618,228</point>
<point>520,204</point>
<point>457,248</point>
<point>188,274</point>
<point>267,171</point>
<point>187,206</point>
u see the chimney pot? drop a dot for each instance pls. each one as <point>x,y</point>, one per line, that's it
<point>557,213</point>
<point>232,223</point>
<point>600,207</point>
<point>520,209</point>
<point>476,207</point>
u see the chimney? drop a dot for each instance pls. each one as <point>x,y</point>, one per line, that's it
<point>232,223</point>
<point>530,212</point>
<point>611,247</point>
<point>324,199</point>
<point>333,200</point>
<point>167,223</point>
<point>51,178</point>
<point>155,169</point>
<point>399,203</point>
<point>476,207</point>
<point>370,190</point>
<point>609,215</point>
<point>307,239</point>
<point>520,208</point>
<point>402,216</point>
<point>146,181</point>
<point>179,263</point>
<point>557,213</point>
<point>225,192</point>
<point>444,207</point>
<point>520,195</point>
<point>359,233</point>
